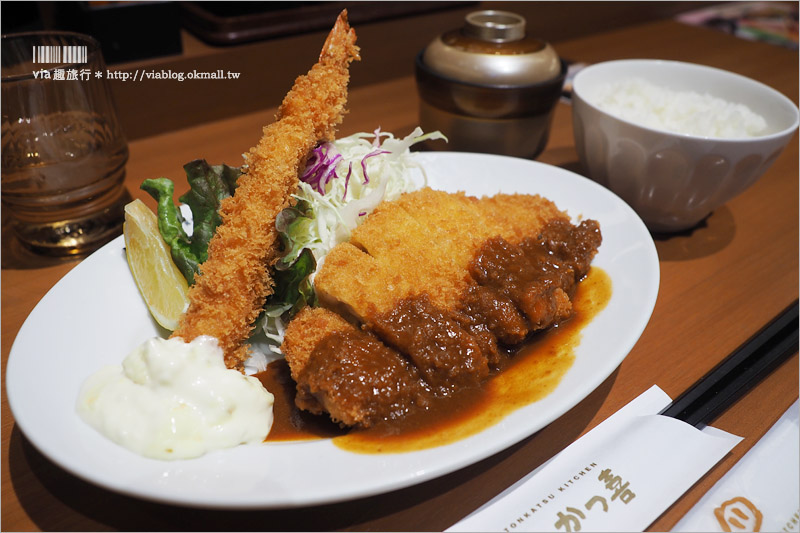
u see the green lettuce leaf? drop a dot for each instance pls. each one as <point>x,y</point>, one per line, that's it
<point>292,225</point>
<point>293,287</point>
<point>209,185</point>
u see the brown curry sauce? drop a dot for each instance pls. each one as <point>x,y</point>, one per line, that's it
<point>532,372</point>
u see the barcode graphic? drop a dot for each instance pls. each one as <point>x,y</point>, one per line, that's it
<point>59,54</point>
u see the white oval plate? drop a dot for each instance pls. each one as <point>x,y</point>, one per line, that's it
<point>94,316</point>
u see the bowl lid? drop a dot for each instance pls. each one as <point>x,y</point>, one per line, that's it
<point>492,48</point>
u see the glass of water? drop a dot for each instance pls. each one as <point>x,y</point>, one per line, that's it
<point>63,151</point>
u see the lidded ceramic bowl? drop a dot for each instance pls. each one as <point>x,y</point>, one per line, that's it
<point>489,87</point>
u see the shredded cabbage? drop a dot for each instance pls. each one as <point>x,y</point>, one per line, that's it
<point>343,182</point>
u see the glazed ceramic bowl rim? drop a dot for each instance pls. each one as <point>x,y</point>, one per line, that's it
<point>779,97</point>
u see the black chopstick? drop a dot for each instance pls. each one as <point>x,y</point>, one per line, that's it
<point>740,371</point>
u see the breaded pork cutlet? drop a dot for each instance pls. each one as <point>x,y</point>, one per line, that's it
<point>520,216</point>
<point>356,285</point>
<point>412,258</point>
<point>465,224</point>
<point>397,282</point>
<point>450,219</point>
<point>372,293</point>
<point>234,282</point>
<point>399,242</point>
<point>460,225</point>
<point>347,372</point>
<point>314,323</point>
<point>404,269</point>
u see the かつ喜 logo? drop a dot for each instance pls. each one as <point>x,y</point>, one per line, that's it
<point>738,514</point>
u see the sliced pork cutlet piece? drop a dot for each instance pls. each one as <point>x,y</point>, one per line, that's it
<point>355,285</point>
<point>303,334</point>
<point>306,329</point>
<point>400,243</point>
<point>520,263</point>
<point>461,228</point>
<point>347,372</point>
<point>446,353</point>
<point>532,221</point>
<point>574,245</point>
<point>527,279</point>
<point>520,216</point>
<point>378,295</point>
<point>451,220</point>
<point>540,274</point>
<point>492,317</point>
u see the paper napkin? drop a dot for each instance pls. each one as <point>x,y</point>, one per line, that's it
<point>620,476</point>
<point>761,492</point>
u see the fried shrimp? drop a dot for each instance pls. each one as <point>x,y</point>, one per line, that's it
<point>234,282</point>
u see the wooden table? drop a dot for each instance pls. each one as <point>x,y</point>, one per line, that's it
<point>719,284</point>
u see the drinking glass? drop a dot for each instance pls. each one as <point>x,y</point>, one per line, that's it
<point>63,151</point>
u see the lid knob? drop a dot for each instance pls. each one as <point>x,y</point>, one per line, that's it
<point>495,26</point>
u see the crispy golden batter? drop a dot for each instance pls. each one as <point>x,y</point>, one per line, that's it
<point>452,220</point>
<point>306,330</point>
<point>234,282</point>
<point>402,245</point>
<point>356,285</point>
<point>520,215</point>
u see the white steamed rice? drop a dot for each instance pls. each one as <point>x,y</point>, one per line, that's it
<point>686,112</point>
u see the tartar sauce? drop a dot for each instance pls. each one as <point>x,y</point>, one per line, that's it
<point>175,400</point>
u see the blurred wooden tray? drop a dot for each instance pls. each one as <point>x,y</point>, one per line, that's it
<point>227,23</point>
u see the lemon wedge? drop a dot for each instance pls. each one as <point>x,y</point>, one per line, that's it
<point>161,284</point>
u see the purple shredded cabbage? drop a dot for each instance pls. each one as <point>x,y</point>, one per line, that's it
<point>347,180</point>
<point>321,167</point>
<point>364,162</point>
